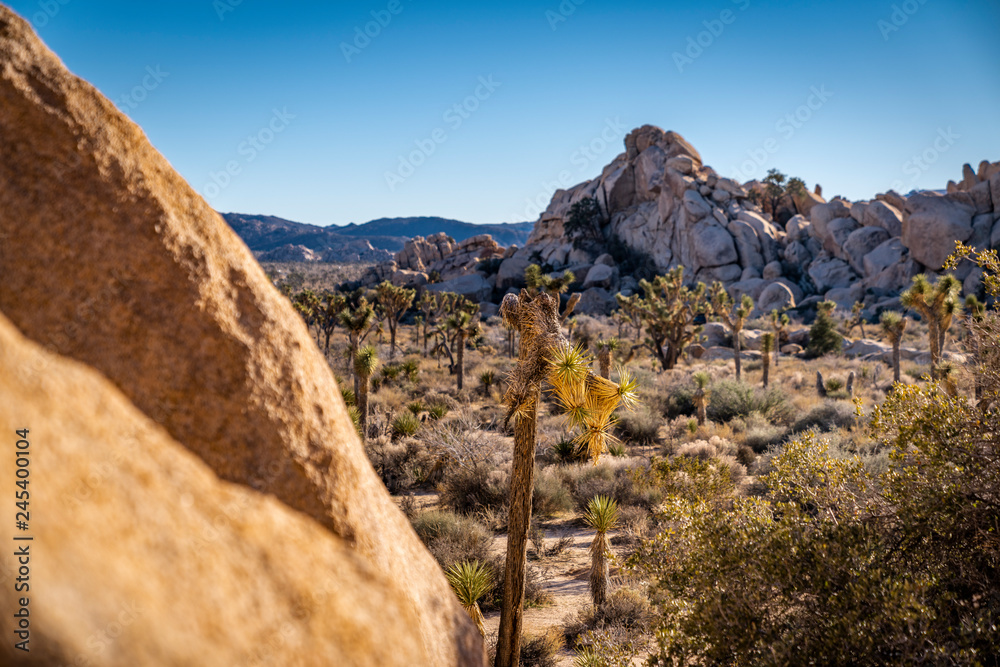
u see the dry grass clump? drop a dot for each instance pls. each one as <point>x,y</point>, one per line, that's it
<point>617,478</point>
<point>828,416</point>
<point>626,609</point>
<point>404,464</point>
<point>640,426</point>
<point>452,538</point>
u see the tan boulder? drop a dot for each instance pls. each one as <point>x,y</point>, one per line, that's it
<point>141,555</point>
<point>110,258</point>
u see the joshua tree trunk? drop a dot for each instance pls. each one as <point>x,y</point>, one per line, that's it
<point>460,359</point>
<point>701,405</point>
<point>362,400</point>
<point>850,384</point>
<point>604,360</point>
<point>392,339</point>
<point>736,349</point>
<point>766,366</point>
<point>895,360</point>
<point>521,486</point>
<point>820,386</point>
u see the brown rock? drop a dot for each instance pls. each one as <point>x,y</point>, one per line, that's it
<point>145,557</point>
<point>110,258</point>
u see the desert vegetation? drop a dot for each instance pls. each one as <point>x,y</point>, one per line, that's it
<point>812,505</point>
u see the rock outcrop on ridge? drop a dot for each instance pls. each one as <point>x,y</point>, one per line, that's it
<point>109,258</point>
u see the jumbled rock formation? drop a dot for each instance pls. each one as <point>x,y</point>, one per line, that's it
<point>109,258</point>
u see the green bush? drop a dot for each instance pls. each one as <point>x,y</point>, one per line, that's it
<point>731,399</point>
<point>550,496</point>
<point>823,335</point>
<point>640,426</point>
<point>469,489</point>
<point>452,538</point>
<point>829,416</point>
<point>833,565</point>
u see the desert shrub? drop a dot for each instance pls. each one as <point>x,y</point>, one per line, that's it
<point>828,416</point>
<point>832,565</point>
<point>452,538</point>
<point>621,482</point>
<point>823,335</point>
<point>679,401</point>
<point>626,609</point>
<point>731,399</point>
<point>541,650</point>
<point>640,426</point>
<point>401,465</point>
<point>468,489</point>
<point>550,495</point>
<point>535,594</point>
<point>757,433</point>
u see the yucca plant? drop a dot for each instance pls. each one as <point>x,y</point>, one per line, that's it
<point>405,424</point>
<point>365,363</point>
<point>588,401</point>
<point>734,318</point>
<point>602,516</point>
<point>486,380</point>
<point>894,324</point>
<point>587,657</point>
<point>779,322</point>
<point>937,304</point>
<point>471,581</point>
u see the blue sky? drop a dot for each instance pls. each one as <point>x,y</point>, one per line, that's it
<point>476,111</point>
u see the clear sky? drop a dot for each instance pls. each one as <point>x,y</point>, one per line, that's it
<point>318,122</point>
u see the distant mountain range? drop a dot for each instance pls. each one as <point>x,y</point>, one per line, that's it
<point>266,233</point>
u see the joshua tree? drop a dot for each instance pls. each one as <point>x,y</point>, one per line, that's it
<point>734,319</point>
<point>937,305</point>
<point>855,320</point>
<point>359,322</point>
<point>393,303</point>
<point>602,516</point>
<point>894,324</point>
<point>538,282</point>
<point>365,363</point>
<point>629,313</point>
<point>605,349</point>
<point>766,343</point>
<point>668,310</point>
<point>779,322</point>
<point>702,394</point>
<point>307,304</point>
<point>471,581</point>
<point>588,401</point>
<point>463,324</point>
<point>327,313</point>
<point>486,381</point>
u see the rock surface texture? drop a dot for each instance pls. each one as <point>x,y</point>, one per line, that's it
<point>109,258</point>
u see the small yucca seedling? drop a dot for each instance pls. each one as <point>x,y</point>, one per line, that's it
<point>405,424</point>
<point>702,394</point>
<point>602,516</point>
<point>586,657</point>
<point>416,407</point>
<point>437,411</point>
<point>486,380</point>
<point>348,395</point>
<point>471,581</point>
<point>617,449</point>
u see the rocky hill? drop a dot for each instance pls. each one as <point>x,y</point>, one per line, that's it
<point>202,495</point>
<point>659,206</point>
<point>276,239</point>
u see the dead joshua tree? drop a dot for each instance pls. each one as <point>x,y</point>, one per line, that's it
<point>588,401</point>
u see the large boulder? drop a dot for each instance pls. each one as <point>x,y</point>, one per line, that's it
<point>831,272</point>
<point>821,214</point>
<point>711,245</point>
<point>933,226</point>
<point>511,272</point>
<point>747,245</point>
<point>601,275</point>
<point>596,301</point>
<point>143,556</point>
<point>861,242</point>
<point>111,259</point>
<point>473,287</point>
<point>881,214</point>
<point>775,296</point>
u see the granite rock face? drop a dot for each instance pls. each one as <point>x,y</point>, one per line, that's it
<point>111,259</point>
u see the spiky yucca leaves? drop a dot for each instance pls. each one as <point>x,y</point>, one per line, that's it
<point>365,363</point>
<point>894,324</point>
<point>471,581</point>
<point>602,516</point>
<point>721,305</point>
<point>588,400</point>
